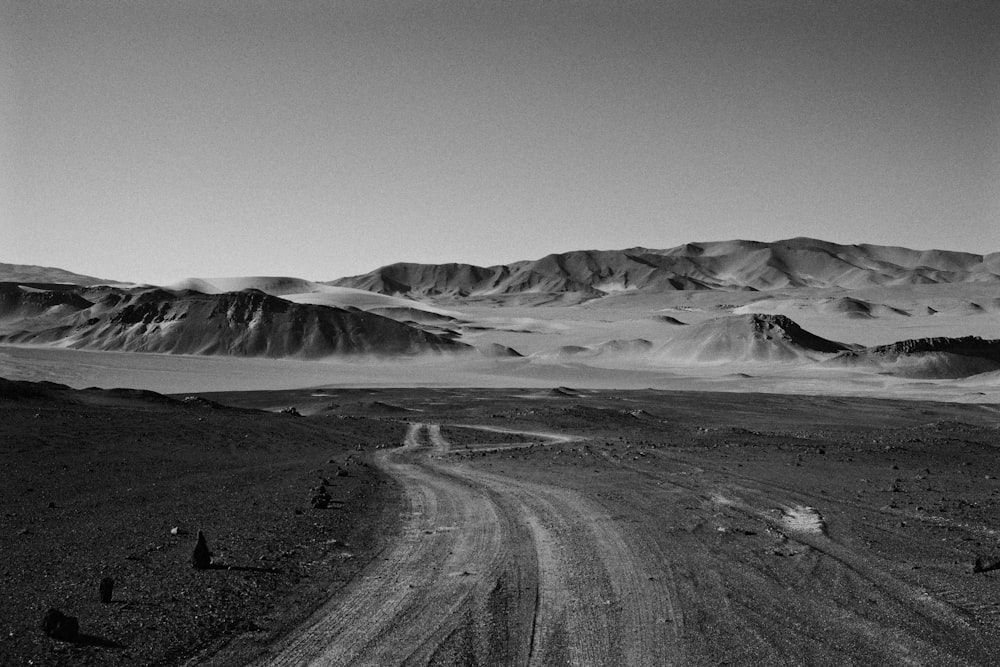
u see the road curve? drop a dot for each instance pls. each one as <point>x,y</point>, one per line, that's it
<point>489,569</point>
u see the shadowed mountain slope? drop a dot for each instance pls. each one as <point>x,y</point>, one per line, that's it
<point>247,323</point>
<point>732,265</point>
<point>940,357</point>
<point>18,302</point>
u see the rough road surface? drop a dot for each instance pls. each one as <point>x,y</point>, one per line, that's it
<point>491,570</point>
<point>524,547</point>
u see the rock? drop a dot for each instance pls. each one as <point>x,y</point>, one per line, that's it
<point>320,501</point>
<point>983,565</point>
<point>321,498</point>
<point>58,625</point>
<point>201,558</point>
<point>107,587</point>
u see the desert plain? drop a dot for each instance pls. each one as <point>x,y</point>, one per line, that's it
<point>781,454</point>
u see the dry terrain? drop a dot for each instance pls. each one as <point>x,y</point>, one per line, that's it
<point>797,316</point>
<point>539,527</point>
<point>786,453</point>
<point>652,528</point>
<point>117,484</point>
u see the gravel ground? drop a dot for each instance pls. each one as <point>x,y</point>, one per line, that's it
<point>117,484</point>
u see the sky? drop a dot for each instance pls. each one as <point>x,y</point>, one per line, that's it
<point>156,140</point>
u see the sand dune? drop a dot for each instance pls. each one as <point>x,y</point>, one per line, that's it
<point>844,306</point>
<point>667,319</point>
<point>498,351</point>
<point>630,348</point>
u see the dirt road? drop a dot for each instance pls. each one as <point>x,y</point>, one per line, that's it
<point>551,549</point>
<point>491,570</point>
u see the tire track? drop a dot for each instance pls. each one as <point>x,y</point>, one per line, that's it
<point>598,603</point>
<point>493,570</point>
<point>926,623</point>
<point>450,551</point>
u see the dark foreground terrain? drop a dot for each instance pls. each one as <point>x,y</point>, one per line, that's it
<point>117,484</point>
<point>519,527</point>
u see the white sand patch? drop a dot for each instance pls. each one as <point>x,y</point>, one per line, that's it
<point>273,285</point>
<point>347,296</point>
<point>803,519</point>
<point>614,286</point>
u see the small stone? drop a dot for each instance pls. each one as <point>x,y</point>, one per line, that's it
<point>983,565</point>
<point>107,588</point>
<point>201,558</point>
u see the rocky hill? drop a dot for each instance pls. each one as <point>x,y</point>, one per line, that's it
<point>741,338</point>
<point>246,323</point>
<point>29,273</point>
<point>729,265</point>
<point>939,357</point>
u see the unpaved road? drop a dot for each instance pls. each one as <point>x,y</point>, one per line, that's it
<point>435,591</point>
<point>559,550</point>
<point>491,570</point>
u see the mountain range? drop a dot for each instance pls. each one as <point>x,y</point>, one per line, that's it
<point>29,273</point>
<point>244,323</point>
<point>713,265</point>
<point>719,265</point>
<point>405,309</point>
